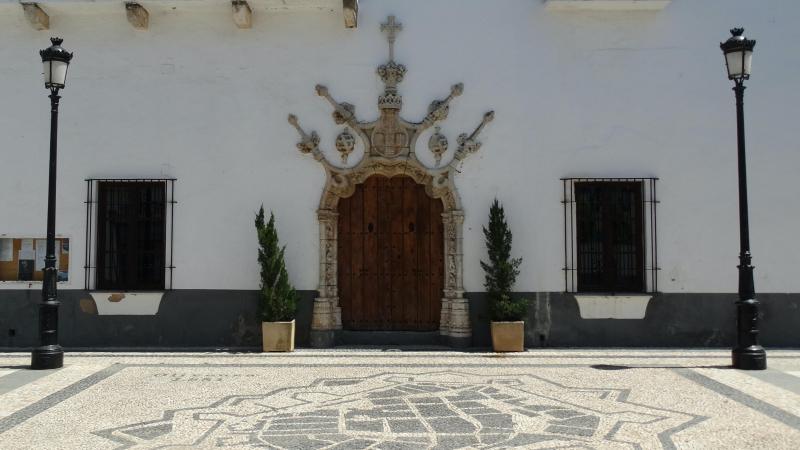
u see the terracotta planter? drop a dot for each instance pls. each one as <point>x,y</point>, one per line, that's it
<point>508,336</point>
<point>278,336</point>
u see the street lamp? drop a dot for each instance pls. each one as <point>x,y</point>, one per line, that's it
<point>747,354</point>
<point>50,355</point>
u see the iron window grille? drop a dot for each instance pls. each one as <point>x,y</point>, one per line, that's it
<point>145,207</point>
<point>610,235</point>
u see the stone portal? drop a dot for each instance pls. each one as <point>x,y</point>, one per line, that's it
<point>390,150</point>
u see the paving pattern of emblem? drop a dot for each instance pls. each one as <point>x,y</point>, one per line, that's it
<point>438,410</point>
<point>379,399</point>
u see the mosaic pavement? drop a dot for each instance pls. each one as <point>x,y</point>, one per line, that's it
<point>409,400</point>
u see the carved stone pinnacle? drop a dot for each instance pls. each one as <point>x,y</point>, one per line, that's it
<point>391,27</point>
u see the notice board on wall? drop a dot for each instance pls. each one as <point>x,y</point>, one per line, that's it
<point>22,259</point>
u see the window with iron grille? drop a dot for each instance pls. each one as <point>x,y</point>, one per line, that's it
<point>131,240</point>
<point>610,235</point>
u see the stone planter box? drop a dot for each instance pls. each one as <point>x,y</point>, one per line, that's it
<point>278,336</point>
<point>508,336</point>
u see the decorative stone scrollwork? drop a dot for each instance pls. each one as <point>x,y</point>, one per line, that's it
<point>389,150</point>
<point>437,144</point>
<point>345,143</point>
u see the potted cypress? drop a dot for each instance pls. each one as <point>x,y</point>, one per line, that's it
<point>277,297</point>
<point>507,313</point>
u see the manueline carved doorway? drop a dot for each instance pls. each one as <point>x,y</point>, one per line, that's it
<point>391,256</point>
<point>406,272</point>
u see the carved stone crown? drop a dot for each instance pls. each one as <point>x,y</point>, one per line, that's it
<point>392,73</point>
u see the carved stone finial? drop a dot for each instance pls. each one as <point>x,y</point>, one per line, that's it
<point>439,109</point>
<point>467,143</point>
<point>309,143</point>
<point>345,143</point>
<point>391,27</point>
<point>437,145</point>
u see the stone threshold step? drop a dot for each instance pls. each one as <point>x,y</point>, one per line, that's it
<point>347,337</point>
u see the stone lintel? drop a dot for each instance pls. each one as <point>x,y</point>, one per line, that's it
<point>137,15</point>
<point>242,14</point>
<point>350,8</point>
<point>36,16</point>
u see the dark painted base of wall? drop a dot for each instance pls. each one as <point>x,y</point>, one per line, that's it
<point>671,320</point>
<point>185,319</point>
<point>211,319</point>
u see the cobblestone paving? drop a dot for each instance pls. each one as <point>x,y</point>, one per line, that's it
<point>401,400</point>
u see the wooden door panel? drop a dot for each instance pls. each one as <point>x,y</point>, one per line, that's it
<point>344,277</point>
<point>390,256</point>
<point>369,231</point>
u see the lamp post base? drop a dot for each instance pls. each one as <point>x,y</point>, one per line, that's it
<point>749,358</point>
<point>47,357</point>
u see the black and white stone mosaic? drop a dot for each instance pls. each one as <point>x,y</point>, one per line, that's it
<point>435,410</point>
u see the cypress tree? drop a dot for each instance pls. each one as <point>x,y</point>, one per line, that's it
<point>278,299</point>
<point>501,270</point>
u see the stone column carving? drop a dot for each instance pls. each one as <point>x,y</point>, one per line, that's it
<point>326,316</point>
<point>454,322</point>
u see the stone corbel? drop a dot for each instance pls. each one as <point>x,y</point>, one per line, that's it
<point>36,16</point>
<point>350,8</point>
<point>468,144</point>
<point>242,14</point>
<point>137,15</point>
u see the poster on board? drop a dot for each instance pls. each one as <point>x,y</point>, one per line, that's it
<point>6,249</point>
<point>23,258</point>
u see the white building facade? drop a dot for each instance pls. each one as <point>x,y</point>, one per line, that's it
<point>605,127</point>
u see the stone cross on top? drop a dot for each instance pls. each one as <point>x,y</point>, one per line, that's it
<point>392,28</point>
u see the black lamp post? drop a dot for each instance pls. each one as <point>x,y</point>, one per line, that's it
<point>747,354</point>
<point>50,355</point>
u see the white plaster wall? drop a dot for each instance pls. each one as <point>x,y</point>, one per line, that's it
<point>575,94</point>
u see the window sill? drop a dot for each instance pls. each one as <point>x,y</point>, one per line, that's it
<point>604,306</point>
<point>116,303</point>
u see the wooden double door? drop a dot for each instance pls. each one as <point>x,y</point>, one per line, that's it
<point>391,256</point>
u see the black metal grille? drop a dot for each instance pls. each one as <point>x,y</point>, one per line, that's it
<point>130,233</point>
<point>610,235</point>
